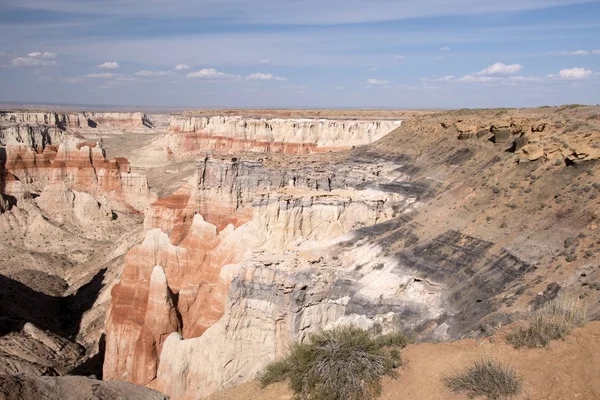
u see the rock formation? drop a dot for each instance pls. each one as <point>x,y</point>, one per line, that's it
<point>444,228</point>
<point>234,208</point>
<point>191,136</point>
<point>290,136</point>
<point>78,120</point>
<point>77,165</point>
<point>259,252</point>
<point>71,388</point>
<point>64,208</point>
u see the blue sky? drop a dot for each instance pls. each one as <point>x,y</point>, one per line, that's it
<point>301,53</point>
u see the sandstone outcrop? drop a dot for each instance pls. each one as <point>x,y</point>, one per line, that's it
<point>191,136</point>
<point>233,208</point>
<point>64,208</point>
<point>79,165</point>
<point>419,231</point>
<point>78,120</point>
<point>300,136</point>
<point>36,137</point>
<point>71,388</point>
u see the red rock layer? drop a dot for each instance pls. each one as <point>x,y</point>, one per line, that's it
<point>81,165</point>
<point>136,327</point>
<point>193,141</point>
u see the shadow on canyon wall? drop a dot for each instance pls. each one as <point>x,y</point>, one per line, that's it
<point>62,316</point>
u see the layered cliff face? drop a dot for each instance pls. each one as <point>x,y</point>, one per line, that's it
<point>190,136</point>
<point>75,165</point>
<point>78,120</point>
<point>234,209</point>
<point>37,137</point>
<point>444,229</point>
<point>67,216</point>
<point>294,136</point>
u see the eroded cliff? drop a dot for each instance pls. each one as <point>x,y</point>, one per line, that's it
<point>193,136</point>
<point>67,216</point>
<point>420,231</point>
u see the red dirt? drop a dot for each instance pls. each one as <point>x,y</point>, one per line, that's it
<point>566,370</point>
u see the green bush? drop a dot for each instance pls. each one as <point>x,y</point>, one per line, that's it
<point>345,363</point>
<point>487,378</point>
<point>553,321</point>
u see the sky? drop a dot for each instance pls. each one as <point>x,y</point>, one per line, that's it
<point>301,53</point>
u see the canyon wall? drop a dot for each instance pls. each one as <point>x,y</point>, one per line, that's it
<point>75,165</point>
<point>257,251</point>
<point>232,210</point>
<point>249,258</point>
<point>191,136</point>
<point>78,120</point>
<point>65,210</point>
<point>296,136</point>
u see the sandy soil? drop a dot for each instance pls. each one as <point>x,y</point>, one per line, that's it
<point>566,370</point>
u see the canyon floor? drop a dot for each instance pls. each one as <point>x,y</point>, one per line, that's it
<point>184,252</point>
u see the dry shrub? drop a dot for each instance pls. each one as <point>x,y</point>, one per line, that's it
<point>487,378</point>
<point>345,363</point>
<point>555,320</point>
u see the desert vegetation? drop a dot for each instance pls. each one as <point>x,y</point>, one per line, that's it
<point>344,363</point>
<point>488,378</point>
<point>554,320</point>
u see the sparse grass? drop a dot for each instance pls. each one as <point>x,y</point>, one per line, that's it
<point>343,363</point>
<point>574,126</point>
<point>488,378</point>
<point>553,321</point>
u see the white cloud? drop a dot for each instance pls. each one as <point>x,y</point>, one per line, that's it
<point>596,52</point>
<point>46,55</point>
<point>264,77</point>
<point>477,79</point>
<point>211,73</point>
<point>399,57</point>
<point>374,69</point>
<point>338,88</point>
<point>445,48</point>
<point>579,53</point>
<point>377,82</point>
<point>31,62</point>
<point>102,75</point>
<point>182,67</point>
<point>574,73</point>
<point>439,58</point>
<point>265,62</point>
<point>152,73</point>
<point>499,69</point>
<point>109,65</point>
<point>35,59</point>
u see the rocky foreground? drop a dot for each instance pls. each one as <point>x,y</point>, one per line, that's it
<point>444,225</point>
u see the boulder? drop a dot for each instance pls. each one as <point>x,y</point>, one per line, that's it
<point>539,127</point>
<point>521,142</point>
<point>583,152</point>
<point>501,134</point>
<point>483,132</point>
<point>18,387</point>
<point>532,152</point>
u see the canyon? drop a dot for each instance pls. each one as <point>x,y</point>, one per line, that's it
<point>186,252</point>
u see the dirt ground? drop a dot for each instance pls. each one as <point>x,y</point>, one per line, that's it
<point>568,369</point>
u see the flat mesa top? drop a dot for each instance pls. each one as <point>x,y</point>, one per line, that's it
<point>394,115</point>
